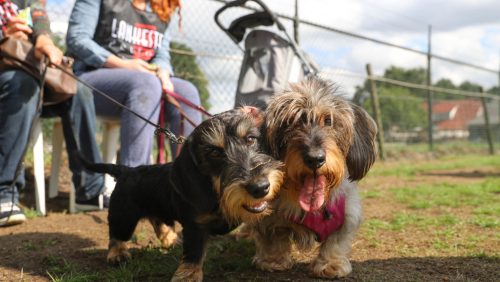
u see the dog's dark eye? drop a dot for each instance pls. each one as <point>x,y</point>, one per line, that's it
<point>250,139</point>
<point>328,121</point>
<point>214,152</point>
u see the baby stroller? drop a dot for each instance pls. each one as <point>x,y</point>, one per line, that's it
<point>270,61</point>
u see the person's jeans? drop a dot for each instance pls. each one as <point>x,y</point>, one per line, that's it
<point>140,92</point>
<point>19,94</point>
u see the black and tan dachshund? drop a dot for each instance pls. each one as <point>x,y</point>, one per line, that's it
<point>219,180</point>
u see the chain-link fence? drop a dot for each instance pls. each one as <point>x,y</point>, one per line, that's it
<point>460,120</point>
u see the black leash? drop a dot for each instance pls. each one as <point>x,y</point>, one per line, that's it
<point>159,130</point>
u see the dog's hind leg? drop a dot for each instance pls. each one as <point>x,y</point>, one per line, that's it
<point>166,234</point>
<point>121,229</point>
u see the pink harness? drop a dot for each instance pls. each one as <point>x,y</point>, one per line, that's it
<point>326,221</point>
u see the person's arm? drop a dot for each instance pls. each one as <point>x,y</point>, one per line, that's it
<point>162,60</point>
<point>81,29</point>
<point>39,33</point>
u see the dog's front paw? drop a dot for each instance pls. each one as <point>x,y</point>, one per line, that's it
<point>339,267</point>
<point>273,263</point>
<point>188,272</point>
<point>118,253</point>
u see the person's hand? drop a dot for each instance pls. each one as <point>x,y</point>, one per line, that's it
<point>166,83</point>
<point>139,65</point>
<point>45,46</point>
<point>17,28</point>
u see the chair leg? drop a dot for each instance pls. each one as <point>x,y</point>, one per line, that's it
<point>38,167</point>
<point>111,134</point>
<point>72,198</point>
<point>57,148</point>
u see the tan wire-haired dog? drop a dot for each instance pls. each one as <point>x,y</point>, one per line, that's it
<point>325,143</point>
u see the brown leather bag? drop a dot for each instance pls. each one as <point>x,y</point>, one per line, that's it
<point>19,54</point>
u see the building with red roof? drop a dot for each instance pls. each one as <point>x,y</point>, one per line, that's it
<point>451,118</point>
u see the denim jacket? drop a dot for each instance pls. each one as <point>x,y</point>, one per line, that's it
<point>88,53</point>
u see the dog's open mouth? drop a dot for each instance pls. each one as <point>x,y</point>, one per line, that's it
<point>257,208</point>
<point>312,193</point>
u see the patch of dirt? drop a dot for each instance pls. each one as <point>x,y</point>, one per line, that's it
<point>27,251</point>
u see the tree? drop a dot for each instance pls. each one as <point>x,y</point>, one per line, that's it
<point>186,67</point>
<point>445,83</point>
<point>399,108</point>
<point>470,86</point>
<point>495,90</point>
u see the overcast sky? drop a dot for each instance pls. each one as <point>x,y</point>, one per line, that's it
<point>467,30</point>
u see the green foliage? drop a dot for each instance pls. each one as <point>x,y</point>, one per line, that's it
<point>186,67</point>
<point>399,108</point>
<point>405,107</point>
<point>445,83</point>
<point>494,90</point>
<point>470,86</point>
<point>416,76</point>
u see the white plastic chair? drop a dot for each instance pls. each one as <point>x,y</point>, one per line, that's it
<point>38,167</point>
<point>109,147</point>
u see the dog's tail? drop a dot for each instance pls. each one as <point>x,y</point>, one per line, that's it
<point>112,169</point>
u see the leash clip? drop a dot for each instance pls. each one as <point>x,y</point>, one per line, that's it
<point>170,135</point>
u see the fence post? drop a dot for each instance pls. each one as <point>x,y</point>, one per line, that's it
<point>429,92</point>
<point>376,112</point>
<point>296,23</point>
<point>489,137</point>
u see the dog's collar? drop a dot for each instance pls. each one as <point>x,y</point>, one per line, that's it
<point>325,221</point>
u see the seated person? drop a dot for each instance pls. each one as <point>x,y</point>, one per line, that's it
<point>19,99</point>
<point>121,48</point>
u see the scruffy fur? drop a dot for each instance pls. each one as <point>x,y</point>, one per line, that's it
<point>321,138</point>
<point>219,180</point>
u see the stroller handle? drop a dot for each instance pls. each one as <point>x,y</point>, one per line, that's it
<point>309,68</point>
<point>240,3</point>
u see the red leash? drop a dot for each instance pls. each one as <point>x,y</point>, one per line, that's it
<point>188,103</point>
<point>160,139</point>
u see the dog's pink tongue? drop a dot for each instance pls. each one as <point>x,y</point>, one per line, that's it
<point>312,195</point>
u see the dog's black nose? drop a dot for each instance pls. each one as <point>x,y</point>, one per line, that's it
<point>315,158</point>
<point>259,188</point>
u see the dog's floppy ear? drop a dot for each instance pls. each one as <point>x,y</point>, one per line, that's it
<point>362,152</point>
<point>193,187</point>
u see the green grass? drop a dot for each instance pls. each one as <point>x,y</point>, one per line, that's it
<point>31,213</point>
<point>371,194</point>
<point>402,220</point>
<point>411,169</point>
<point>485,195</point>
<point>431,210</point>
<point>225,256</point>
<point>60,270</point>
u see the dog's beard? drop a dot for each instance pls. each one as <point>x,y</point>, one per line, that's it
<point>237,206</point>
<point>310,189</point>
